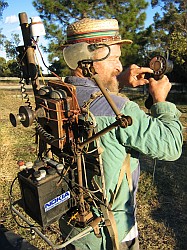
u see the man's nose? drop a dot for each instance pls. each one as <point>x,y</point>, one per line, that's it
<point>119,66</point>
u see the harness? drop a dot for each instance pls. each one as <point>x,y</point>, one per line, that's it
<point>125,169</point>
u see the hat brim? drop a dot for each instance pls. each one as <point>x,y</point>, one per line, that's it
<point>124,41</point>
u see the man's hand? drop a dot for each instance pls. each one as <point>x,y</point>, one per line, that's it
<point>133,76</point>
<point>159,89</point>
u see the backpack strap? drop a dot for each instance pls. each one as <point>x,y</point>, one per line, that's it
<point>124,169</point>
<point>93,96</point>
<point>111,226</point>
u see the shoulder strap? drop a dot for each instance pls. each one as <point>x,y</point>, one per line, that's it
<point>92,98</point>
<point>111,226</point>
<point>124,169</point>
<point>107,213</point>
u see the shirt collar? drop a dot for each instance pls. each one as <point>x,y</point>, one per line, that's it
<point>80,81</point>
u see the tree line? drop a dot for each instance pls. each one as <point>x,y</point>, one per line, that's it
<point>166,36</point>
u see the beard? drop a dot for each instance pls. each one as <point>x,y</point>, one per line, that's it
<point>107,76</point>
<point>111,83</point>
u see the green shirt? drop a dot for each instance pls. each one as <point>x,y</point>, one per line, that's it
<point>158,136</point>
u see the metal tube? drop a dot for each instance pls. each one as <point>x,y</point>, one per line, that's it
<point>100,133</point>
<point>32,227</point>
<point>79,170</point>
<point>25,29</point>
<point>30,62</point>
<point>78,236</point>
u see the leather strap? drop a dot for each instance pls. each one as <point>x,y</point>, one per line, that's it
<point>108,214</point>
<point>111,226</point>
<point>124,169</point>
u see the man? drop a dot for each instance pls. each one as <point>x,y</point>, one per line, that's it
<point>158,136</point>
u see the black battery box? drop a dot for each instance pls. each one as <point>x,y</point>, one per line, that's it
<point>45,201</point>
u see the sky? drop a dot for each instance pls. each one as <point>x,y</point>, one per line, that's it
<point>10,21</point>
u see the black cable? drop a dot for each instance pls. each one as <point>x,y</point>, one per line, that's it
<point>95,46</point>
<point>36,44</point>
<point>11,205</point>
<point>49,137</point>
<point>87,191</point>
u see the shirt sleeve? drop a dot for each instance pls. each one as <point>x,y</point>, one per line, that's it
<point>158,136</point>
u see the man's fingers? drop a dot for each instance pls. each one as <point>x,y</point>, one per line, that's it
<point>164,78</point>
<point>140,76</point>
<point>142,81</point>
<point>141,70</point>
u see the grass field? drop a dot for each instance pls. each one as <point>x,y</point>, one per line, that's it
<point>162,197</point>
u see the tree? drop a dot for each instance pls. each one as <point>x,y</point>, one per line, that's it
<point>3,5</point>
<point>10,67</point>
<point>57,14</point>
<point>3,66</point>
<point>170,32</point>
<point>10,46</point>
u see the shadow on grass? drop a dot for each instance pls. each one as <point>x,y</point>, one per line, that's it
<point>11,241</point>
<point>170,180</point>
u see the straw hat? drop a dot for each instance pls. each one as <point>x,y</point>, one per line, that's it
<point>95,31</point>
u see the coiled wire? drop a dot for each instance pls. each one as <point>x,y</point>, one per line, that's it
<point>24,94</point>
<point>42,132</point>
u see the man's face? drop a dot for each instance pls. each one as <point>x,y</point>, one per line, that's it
<point>109,68</point>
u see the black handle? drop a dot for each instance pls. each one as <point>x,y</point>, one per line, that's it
<point>149,100</point>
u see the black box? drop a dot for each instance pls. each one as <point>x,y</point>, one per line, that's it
<point>47,200</point>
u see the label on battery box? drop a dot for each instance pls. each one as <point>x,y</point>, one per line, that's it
<point>56,201</point>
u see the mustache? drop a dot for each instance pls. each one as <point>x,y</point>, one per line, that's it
<point>115,73</point>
